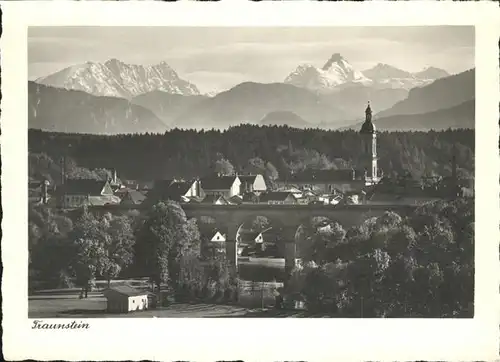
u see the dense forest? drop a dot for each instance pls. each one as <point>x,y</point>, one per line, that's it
<point>190,153</point>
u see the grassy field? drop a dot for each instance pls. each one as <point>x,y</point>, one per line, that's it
<point>65,303</point>
<point>70,306</point>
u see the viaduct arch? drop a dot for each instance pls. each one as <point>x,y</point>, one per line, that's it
<point>289,218</point>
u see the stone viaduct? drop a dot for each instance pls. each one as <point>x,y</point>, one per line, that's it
<point>287,218</point>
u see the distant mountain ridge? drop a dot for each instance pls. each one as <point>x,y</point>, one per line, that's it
<point>387,76</point>
<point>115,78</point>
<point>441,94</point>
<point>338,73</point>
<point>249,102</point>
<point>62,110</point>
<point>284,118</point>
<point>168,107</point>
<point>459,116</point>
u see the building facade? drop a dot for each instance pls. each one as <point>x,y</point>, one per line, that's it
<point>79,192</point>
<point>226,186</point>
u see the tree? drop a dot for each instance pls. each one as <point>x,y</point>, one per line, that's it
<point>119,246</point>
<point>48,247</point>
<point>165,238</point>
<point>224,167</point>
<point>260,223</point>
<point>89,240</point>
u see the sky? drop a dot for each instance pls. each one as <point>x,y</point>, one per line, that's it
<point>218,58</point>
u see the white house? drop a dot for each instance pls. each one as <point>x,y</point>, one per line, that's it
<point>226,186</point>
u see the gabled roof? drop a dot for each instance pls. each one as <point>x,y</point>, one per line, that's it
<point>218,182</point>
<point>126,290</point>
<point>248,178</point>
<point>275,196</point>
<point>250,197</point>
<point>168,189</point>
<point>249,236</point>
<point>212,199</point>
<point>236,200</point>
<point>218,232</point>
<point>84,187</point>
<point>179,188</point>
<point>135,196</point>
<point>100,200</point>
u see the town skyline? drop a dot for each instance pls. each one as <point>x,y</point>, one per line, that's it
<point>215,59</point>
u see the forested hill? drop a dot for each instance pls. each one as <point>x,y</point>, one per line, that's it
<point>189,153</point>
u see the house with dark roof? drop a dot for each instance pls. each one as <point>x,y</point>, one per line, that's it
<point>226,186</point>
<point>278,198</point>
<point>252,183</point>
<point>124,299</point>
<point>132,197</point>
<point>326,181</point>
<point>215,200</point>
<point>79,192</point>
<point>175,190</point>
<point>235,200</point>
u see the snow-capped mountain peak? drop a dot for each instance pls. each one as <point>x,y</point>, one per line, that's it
<point>388,76</point>
<point>119,79</point>
<point>336,71</point>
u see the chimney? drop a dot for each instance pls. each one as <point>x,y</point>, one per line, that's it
<point>114,176</point>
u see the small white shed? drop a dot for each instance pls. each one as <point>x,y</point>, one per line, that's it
<point>124,299</point>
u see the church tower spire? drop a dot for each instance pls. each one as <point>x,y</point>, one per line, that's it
<point>369,150</point>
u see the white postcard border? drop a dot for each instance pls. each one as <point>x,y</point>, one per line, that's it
<point>250,339</point>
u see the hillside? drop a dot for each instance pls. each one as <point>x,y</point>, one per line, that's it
<point>165,105</point>
<point>284,118</point>
<point>249,102</point>
<point>461,116</point>
<point>441,94</point>
<point>70,111</point>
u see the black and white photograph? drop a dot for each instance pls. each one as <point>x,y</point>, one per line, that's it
<point>251,172</point>
<point>297,181</point>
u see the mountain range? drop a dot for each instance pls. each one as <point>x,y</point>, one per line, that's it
<point>459,116</point>
<point>114,97</point>
<point>118,79</point>
<point>338,73</point>
<point>61,110</point>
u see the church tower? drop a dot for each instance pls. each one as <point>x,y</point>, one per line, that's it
<point>369,148</point>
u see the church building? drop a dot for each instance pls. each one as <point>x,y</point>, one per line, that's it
<point>343,180</point>
<point>369,155</point>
